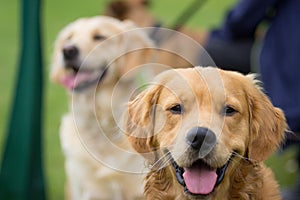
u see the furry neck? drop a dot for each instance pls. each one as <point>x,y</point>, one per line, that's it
<point>246,181</point>
<point>160,184</point>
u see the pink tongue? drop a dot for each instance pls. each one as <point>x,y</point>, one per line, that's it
<point>72,81</point>
<point>200,179</point>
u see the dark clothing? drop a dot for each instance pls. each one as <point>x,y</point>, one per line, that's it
<point>229,55</point>
<point>280,54</point>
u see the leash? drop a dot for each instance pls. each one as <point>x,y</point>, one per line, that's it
<point>161,36</point>
<point>187,14</point>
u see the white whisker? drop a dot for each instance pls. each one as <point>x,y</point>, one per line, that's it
<point>161,161</point>
<point>243,157</point>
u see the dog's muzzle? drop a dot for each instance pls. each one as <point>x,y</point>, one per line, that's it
<point>202,140</point>
<point>199,178</point>
<point>196,179</point>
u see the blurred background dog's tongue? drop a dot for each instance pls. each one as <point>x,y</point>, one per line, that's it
<point>72,81</point>
<point>200,179</point>
<point>68,82</point>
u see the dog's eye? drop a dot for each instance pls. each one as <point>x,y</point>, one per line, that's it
<point>229,111</point>
<point>176,109</point>
<point>98,37</point>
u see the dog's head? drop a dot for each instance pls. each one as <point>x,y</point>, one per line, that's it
<point>206,120</point>
<point>96,49</point>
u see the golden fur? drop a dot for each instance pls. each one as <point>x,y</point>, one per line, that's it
<point>100,41</point>
<point>245,136</point>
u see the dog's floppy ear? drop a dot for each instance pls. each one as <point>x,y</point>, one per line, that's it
<point>138,122</point>
<point>267,124</point>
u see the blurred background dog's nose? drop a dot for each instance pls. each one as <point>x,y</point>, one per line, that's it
<point>201,138</point>
<point>70,52</point>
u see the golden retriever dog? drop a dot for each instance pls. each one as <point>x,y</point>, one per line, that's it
<point>205,133</point>
<point>90,58</point>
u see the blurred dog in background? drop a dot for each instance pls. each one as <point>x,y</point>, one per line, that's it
<point>90,58</point>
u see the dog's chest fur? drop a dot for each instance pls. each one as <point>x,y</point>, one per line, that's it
<point>87,133</point>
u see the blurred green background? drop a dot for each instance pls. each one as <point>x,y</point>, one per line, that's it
<point>55,15</point>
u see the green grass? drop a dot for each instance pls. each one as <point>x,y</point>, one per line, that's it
<point>208,16</point>
<point>56,14</point>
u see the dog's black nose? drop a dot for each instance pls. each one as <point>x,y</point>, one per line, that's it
<point>70,52</point>
<point>201,138</point>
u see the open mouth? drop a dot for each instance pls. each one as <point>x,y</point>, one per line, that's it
<point>199,178</point>
<point>80,79</point>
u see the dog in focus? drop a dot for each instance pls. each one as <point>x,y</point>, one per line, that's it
<point>205,133</point>
<point>91,56</point>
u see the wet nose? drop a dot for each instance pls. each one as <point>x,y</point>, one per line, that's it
<point>70,52</point>
<point>201,138</point>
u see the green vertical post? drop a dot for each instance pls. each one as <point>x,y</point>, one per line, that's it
<point>21,175</point>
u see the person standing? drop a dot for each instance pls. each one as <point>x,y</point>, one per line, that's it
<point>279,59</point>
